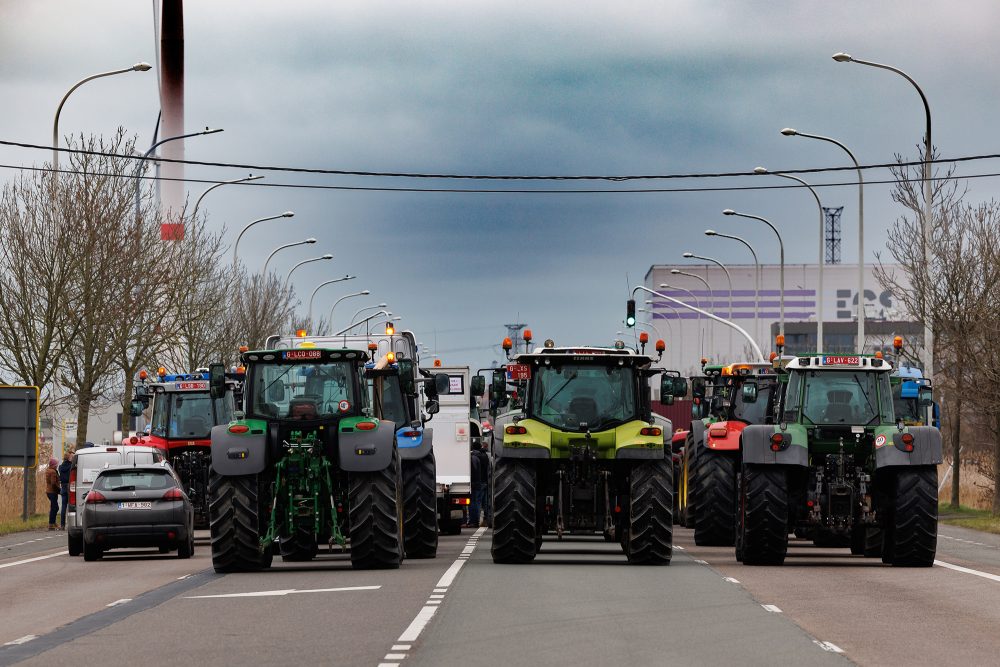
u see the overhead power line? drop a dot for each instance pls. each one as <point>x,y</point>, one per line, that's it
<point>389,174</point>
<point>498,191</point>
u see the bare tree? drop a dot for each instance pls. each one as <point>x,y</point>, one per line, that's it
<point>262,308</point>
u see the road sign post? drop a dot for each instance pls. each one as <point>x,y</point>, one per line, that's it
<point>19,434</point>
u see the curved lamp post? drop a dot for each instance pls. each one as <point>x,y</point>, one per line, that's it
<point>142,160</point>
<point>789,132</point>
<point>928,195</point>
<point>138,67</point>
<point>701,330</point>
<point>346,296</point>
<point>274,252</point>
<point>822,257</point>
<point>284,287</point>
<point>756,276</point>
<point>324,284</point>
<point>711,329</point>
<point>251,177</point>
<point>781,270</point>
<point>361,310</point>
<point>729,279</point>
<point>286,214</point>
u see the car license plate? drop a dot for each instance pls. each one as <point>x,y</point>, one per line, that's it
<point>134,505</point>
<point>841,361</point>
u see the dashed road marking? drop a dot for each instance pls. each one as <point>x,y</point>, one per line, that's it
<point>32,560</point>
<point>731,580</point>
<point>967,570</point>
<point>701,562</point>
<point>679,548</point>
<point>401,647</point>
<point>21,640</point>
<point>771,608</point>
<point>828,646</point>
<point>282,593</point>
<point>118,602</point>
<point>395,656</point>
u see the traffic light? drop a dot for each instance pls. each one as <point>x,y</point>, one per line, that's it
<point>630,313</point>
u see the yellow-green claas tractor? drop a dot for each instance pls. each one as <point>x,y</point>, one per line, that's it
<point>583,452</point>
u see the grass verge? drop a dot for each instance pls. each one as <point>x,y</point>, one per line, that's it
<point>35,522</point>
<point>967,517</point>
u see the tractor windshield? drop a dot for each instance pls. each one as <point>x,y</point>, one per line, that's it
<point>583,397</point>
<point>756,412</point>
<point>304,391</point>
<point>191,415</point>
<point>839,397</point>
<point>387,399</point>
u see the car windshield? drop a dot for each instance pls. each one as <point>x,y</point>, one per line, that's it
<point>134,480</point>
<point>387,398</point>
<point>180,414</point>
<point>838,397</point>
<point>756,412</point>
<point>581,396</point>
<point>304,391</point>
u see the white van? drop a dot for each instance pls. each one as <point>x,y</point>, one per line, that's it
<point>87,463</point>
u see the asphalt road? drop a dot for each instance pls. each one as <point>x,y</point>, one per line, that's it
<point>579,603</point>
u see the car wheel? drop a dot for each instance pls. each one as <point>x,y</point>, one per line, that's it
<point>91,552</point>
<point>186,550</point>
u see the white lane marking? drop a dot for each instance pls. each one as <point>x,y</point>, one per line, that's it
<point>118,602</point>
<point>771,608</point>
<point>433,602</point>
<point>449,575</point>
<point>401,647</point>
<point>395,656</point>
<point>183,578</point>
<point>966,570</point>
<point>701,562</point>
<point>679,548</point>
<point>440,590</point>
<point>437,597</point>
<point>731,580</point>
<point>282,593</point>
<point>828,646</point>
<point>21,640</point>
<point>32,560</point>
<point>388,664</point>
<point>418,624</point>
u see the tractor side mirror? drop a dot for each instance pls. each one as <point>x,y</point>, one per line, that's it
<point>136,408</point>
<point>698,387</point>
<point>432,407</point>
<point>666,399</point>
<point>217,381</point>
<point>477,385</point>
<point>749,392</point>
<point>442,383</point>
<point>276,392</point>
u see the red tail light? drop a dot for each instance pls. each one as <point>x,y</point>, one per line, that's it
<point>907,442</point>
<point>95,497</point>
<point>515,430</point>
<point>411,434</point>
<point>776,442</point>
<point>651,430</point>
<point>718,431</point>
<point>366,426</point>
<point>72,486</point>
<point>459,501</point>
<point>173,494</point>
<point>239,428</point>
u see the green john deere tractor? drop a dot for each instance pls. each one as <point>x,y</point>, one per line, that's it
<point>583,454</point>
<point>307,465</point>
<point>838,466</point>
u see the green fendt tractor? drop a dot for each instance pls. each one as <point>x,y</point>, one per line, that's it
<point>838,466</point>
<point>583,454</point>
<point>307,465</point>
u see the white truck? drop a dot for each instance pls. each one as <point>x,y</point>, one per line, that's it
<point>453,433</point>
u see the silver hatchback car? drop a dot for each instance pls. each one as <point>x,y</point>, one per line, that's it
<point>137,506</point>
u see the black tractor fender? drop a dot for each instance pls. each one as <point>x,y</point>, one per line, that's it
<point>697,431</point>
<point>755,445</point>
<point>421,450</point>
<point>643,453</point>
<point>367,451</point>
<point>235,454</point>
<point>927,449</point>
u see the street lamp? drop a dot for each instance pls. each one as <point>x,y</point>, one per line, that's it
<point>680,322</point>
<point>194,215</point>
<point>282,247</point>
<point>822,258</point>
<point>142,160</point>
<point>729,279</point>
<point>346,296</point>
<point>360,322</point>
<point>781,270</point>
<point>670,329</point>
<point>756,277</point>
<point>711,329</point>
<point>789,132</point>
<point>328,282</point>
<point>928,195</point>
<point>138,67</point>
<point>284,288</point>
<point>286,214</point>
<point>361,310</point>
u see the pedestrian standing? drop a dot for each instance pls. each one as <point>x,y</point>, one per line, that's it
<point>64,469</point>
<point>52,491</point>
<point>480,480</point>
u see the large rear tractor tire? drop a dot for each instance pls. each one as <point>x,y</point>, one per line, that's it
<point>651,524</point>
<point>764,515</point>
<point>376,518</point>
<point>238,514</point>
<point>714,522</point>
<point>686,485</point>
<point>911,531</point>
<point>515,526</point>
<point>420,533</point>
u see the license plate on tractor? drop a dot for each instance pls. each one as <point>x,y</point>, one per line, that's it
<point>135,505</point>
<point>841,361</point>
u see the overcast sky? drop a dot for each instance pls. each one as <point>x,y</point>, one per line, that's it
<point>515,87</point>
